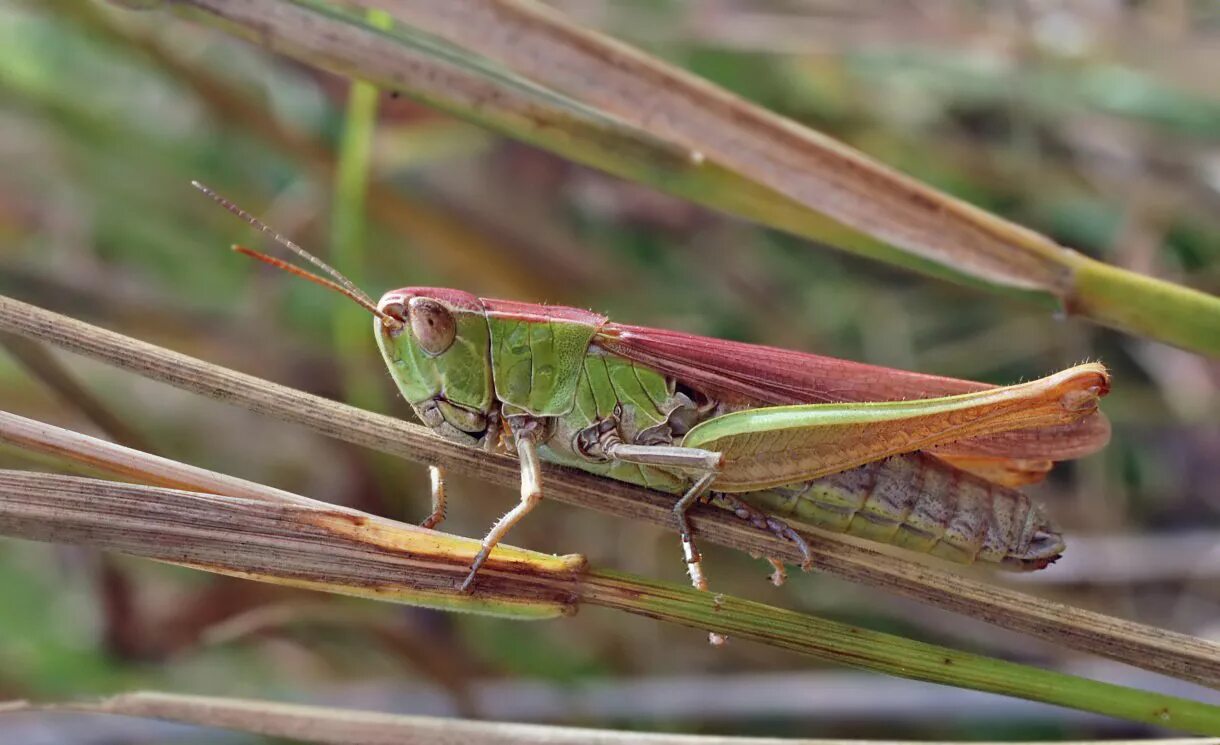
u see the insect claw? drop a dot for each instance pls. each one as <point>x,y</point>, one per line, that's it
<point>780,575</point>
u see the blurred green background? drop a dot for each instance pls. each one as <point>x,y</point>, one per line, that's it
<point>1096,123</point>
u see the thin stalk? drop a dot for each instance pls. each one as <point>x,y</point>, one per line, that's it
<point>320,724</point>
<point>142,466</point>
<point>1174,654</point>
<point>871,650</point>
<point>349,231</point>
<point>1144,305</point>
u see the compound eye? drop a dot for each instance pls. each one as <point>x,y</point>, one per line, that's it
<point>432,325</point>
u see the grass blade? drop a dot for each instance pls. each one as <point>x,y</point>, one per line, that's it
<point>463,84</point>
<point>349,232</point>
<point>743,619</point>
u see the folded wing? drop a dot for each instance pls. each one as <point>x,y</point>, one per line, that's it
<point>751,374</point>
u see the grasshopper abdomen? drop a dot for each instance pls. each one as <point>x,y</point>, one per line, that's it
<point>920,503</point>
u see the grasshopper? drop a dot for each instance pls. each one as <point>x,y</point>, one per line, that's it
<point>922,462</point>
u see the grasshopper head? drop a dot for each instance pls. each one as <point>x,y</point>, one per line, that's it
<point>434,341</point>
<point>439,355</point>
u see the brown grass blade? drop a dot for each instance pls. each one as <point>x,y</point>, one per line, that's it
<point>609,106</point>
<point>811,168</point>
<point>138,465</point>
<point>808,167</point>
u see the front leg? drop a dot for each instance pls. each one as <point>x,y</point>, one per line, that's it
<point>526,433</point>
<point>437,476</point>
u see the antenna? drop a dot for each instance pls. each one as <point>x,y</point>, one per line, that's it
<point>343,285</point>
<point>360,300</point>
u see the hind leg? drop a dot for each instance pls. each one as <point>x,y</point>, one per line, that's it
<point>771,524</point>
<point>705,464</point>
<point>694,560</point>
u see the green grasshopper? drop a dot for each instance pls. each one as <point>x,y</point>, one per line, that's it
<point>922,462</point>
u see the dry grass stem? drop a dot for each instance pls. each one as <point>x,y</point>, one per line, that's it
<point>800,163</point>
<point>43,366</point>
<point>347,552</point>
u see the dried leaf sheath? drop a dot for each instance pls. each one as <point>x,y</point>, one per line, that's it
<point>287,544</point>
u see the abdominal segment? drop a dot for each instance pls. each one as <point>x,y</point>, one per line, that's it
<point>917,502</point>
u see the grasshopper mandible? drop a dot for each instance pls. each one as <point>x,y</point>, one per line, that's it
<point>922,462</point>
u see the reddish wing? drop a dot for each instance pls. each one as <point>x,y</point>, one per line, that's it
<point>540,313</point>
<point>769,375</point>
<point>753,374</point>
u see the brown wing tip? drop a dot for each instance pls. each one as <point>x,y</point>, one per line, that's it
<point>1086,385</point>
<point>1102,385</point>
